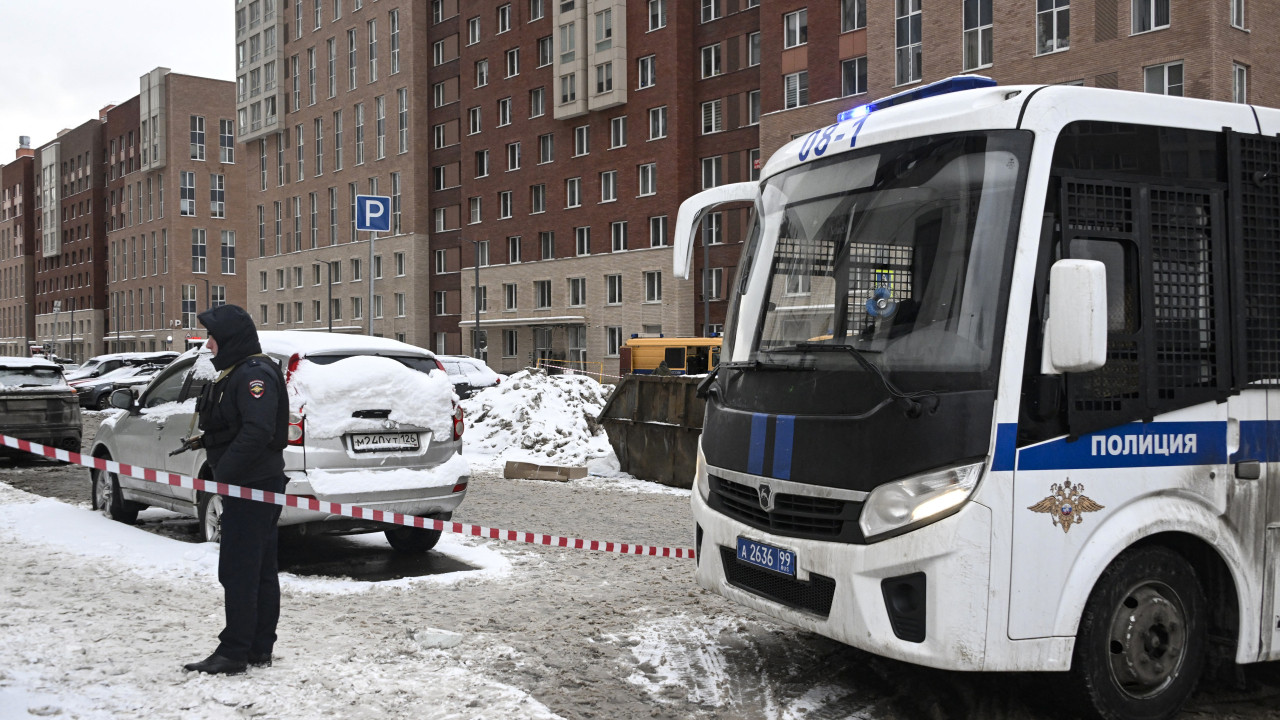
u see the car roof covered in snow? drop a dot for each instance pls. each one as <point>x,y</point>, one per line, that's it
<point>27,362</point>
<point>288,342</point>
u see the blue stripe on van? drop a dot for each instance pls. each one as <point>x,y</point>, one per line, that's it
<point>755,450</point>
<point>783,438</point>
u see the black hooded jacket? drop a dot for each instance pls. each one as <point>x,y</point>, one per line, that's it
<point>244,414</point>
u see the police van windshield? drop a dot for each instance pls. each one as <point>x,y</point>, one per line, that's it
<point>900,251</point>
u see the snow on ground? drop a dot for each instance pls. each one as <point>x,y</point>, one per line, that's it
<point>538,418</point>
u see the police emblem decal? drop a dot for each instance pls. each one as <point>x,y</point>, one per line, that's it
<point>765,494</point>
<point>256,388</point>
<point>1066,505</point>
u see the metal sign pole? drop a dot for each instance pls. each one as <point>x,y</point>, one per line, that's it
<point>373,235</point>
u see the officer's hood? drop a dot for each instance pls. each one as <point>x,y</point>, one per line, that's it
<point>233,329</point>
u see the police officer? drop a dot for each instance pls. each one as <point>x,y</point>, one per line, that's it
<point>244,418</point>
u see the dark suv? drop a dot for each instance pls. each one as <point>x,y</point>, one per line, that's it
<point>36,404</point>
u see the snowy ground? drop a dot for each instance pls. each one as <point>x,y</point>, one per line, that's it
<point>97,618</point>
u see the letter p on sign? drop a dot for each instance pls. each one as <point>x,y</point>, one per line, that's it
<point>373,212</point>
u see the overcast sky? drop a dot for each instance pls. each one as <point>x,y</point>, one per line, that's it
<point>68,59</point>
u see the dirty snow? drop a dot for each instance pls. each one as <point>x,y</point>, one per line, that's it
<point>538,418</point>
<point>330,393</point>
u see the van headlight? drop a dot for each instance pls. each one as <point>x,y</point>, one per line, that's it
<point>902,505</point>
<point>700,480</point>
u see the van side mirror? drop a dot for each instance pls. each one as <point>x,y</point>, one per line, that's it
<point>1076,331</point>
<point>123,399</point>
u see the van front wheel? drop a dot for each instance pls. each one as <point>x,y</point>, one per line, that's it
<point>1140,647</point>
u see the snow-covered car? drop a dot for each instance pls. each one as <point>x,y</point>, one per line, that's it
<point>36,404</point>
<point>94,393</point>
<point>372,422</point>
<point>468,374</point>
<point>99,365</point>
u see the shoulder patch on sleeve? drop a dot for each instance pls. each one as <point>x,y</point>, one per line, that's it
<point>256,388</point>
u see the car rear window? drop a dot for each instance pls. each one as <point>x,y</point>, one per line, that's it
<point>29,376</point>
<point>421,364</point>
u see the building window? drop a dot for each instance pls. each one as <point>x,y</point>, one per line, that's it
<point>380,124</point>
<point>710,10</point>
<point>1239,83</point>
<point>546,51</point>
<point>509,343</point>
<point>648,179</point>
<point>568,42</point>
<point>608,186</point>
<point>402,99</point>
<point>373,50</point>
<point>1237,14</point>
<point>657,122</point>
<point>613,289</point>
<point>199,251</point>
<point>504,112</point>
<point>474,125</point>
<point>581,140</point>
<point>604,30</point>
<point>189,307</point>
<point>475,214</point>
<point>653,286</point>
<point>568,88</point>
<point>473,31</point>
<point>504,205</point>
<point>658,231</point>
<point>853,76</point>
<point>853,15</point>
<point>908,41</point>
<point>537,199</point>
<point>1150,15</point>
<point>713,283</point>
<point>657,14</point>
<point>977,33</point>
<point>546,148</point>
<point>542,294</point>
<point>712,118</point>
<point>360,133</point>
<point>226,140</point>
<point>573,192</point>
<point>1053,26</point>
<point>618,236</point>
<point>481,295</point>
<point>513,249</point>
<point>197,137</point>
<point>795,28</point>
<point>577,292</point>
<point>582,241</point>
<point>504,18</point>
<point>217,195</point>
<point>753,161</point>
<point>604,78</point>
<point>535,10</point>
<point>537,102</point>
<point>187,193</point>
<point>395,46</point>
<point>618,132</point>
<point>441,302</point>
<point>646,71</point>
<point>753,49</point>
<point>795,89</point>
<point>482,73</point>
<point>482,163</point>
<point>713,229</point>
<point>1164,79</point>
<point>711,60</point>
<point>510,296</point>
<point>513,156</point>
<point>547,245</point>
<point>612,341</point>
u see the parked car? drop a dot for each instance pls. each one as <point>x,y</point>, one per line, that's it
<point>372,422</point>
<point>468,374</point>
<point>36,404</point>
<point>101,364</point>
<point>95,393</point>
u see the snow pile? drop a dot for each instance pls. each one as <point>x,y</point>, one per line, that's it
<point>330,393</point>
<point>539,418</point>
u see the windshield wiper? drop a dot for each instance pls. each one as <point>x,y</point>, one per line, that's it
<point>911,400</point>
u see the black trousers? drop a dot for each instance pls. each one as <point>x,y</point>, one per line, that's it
<point>248,568</point>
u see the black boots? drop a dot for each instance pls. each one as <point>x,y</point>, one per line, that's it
<point>216,664</point>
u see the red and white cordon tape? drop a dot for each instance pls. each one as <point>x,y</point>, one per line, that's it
<point>352,511</point>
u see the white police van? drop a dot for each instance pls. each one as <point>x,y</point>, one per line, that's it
<point>997,385</point>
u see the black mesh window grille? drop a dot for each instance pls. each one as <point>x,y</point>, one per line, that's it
<point>1184,278</point>
<point>1257,195</point>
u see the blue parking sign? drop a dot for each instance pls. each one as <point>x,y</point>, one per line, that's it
<point>373,212</point>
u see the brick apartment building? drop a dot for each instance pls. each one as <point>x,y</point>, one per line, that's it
<point>331,104</point>
<point>176,215</point>
<point>854,51</point>
<point>70,275</point>
<point>17,250</point>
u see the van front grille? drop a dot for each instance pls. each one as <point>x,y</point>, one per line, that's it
<point>792,515</point>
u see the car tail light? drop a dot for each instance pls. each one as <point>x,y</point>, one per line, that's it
<point>296,423</point>
<point>439,365</point>
<point>293,365</point>
<point>459,487</point>
<point>458,424</point>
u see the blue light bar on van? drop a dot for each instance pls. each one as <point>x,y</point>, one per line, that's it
<point>933,89</point>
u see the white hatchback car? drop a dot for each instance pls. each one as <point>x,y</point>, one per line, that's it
<point>373,422</point>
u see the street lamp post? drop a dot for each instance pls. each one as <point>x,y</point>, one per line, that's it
<point>207,294</point>
<point>475,335</point>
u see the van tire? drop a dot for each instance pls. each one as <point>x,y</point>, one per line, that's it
<point>1141,643</point>
<point>412,540</point>
<point>107,498</point>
